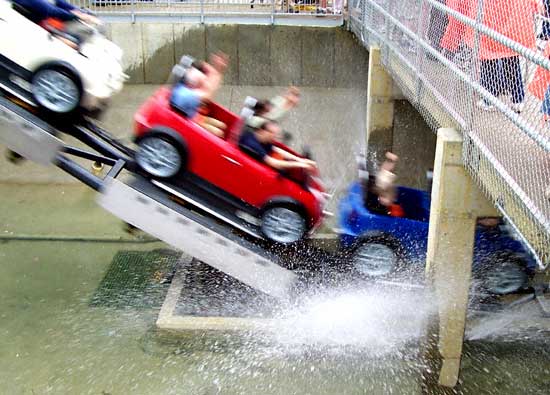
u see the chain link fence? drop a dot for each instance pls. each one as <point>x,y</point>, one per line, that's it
<point>203,8</point>
<point>482,66</point>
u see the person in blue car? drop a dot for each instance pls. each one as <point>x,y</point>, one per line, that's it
<point>380,190</point>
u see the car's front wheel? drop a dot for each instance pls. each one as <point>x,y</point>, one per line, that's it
<point>375,257</point>
<point>56,90</point>
<point>283,224</point>
<point>159,156</point>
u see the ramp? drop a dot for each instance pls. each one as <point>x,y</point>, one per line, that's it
<point>199,236</point>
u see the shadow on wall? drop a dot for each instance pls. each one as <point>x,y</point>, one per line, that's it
<point>414,142</point>
<point>260,55</point>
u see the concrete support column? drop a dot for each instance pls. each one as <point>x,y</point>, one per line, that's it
<point>379,108</point>
<point>456,204</point>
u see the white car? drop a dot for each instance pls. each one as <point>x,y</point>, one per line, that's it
<point>61,79</point>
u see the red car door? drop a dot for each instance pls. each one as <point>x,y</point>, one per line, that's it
<point>244,177</point>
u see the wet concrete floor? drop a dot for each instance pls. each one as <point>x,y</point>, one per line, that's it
<point>57,340</point>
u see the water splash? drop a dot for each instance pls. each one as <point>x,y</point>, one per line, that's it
<point>378,320</point>
<point>519,323</point>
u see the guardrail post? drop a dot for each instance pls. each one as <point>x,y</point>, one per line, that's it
<point>272,12</point>
<point>202,11</point>
<point>133,11</point>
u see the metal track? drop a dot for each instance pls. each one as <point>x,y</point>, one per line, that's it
<point>142,204</point>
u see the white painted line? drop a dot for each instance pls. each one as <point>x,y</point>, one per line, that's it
<point>203,207</point>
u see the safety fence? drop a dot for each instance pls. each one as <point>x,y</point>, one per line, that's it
<point>219,8</point>
<point>481,66</point>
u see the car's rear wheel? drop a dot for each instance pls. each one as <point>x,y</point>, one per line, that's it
<point>283,224</point>
<point>505,276</point>
<point>159,155</point>
<point>375,257</point>
<point>56,90</point>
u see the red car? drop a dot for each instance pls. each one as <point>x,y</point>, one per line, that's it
<point>173,148</point>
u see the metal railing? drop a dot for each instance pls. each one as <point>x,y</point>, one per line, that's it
<point>460,67</point>
<point>203,9</point>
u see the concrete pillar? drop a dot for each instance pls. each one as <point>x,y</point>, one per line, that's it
<point>379,108</point>
<point>456,204</point>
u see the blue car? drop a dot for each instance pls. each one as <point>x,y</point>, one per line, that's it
<point>380,245</point>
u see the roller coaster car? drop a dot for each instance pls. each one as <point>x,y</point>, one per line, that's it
<point>171,147</point>
<point>61,79</point>
<point>379,245</point>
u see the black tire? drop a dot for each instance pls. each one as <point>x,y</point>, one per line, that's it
<point>375,256</point>
<point>56,89</point>
<point>160,155</point>
<point>283,223</point>
<point>502,274</point>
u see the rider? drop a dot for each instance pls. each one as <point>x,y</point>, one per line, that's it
<point>274,109</point>
<point>381,191</point>
<point>258,143</point>
<point>197,87</point>
<point>60,17</point>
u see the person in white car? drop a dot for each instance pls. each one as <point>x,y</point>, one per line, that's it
<point>60,17</point>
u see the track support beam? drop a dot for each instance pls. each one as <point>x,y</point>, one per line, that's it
<point>456,204</point>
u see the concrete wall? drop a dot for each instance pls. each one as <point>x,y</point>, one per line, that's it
<point>414,142</point>
<point>259,55</point>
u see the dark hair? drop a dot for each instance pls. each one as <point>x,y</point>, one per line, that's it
<point>261,107</point>
<point>199,65</point>
<point>263,125</point>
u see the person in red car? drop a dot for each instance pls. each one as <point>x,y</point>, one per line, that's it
<point>258,143</point>
<point>198,85</point>
<point>274,109</point>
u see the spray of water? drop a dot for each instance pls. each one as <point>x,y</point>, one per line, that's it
<point>521,322</point>
<point>377,320</point>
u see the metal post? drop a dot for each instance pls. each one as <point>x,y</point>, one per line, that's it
<point>420,27</point>
<point>272,12</point>
<point>363,20</point>
<point>385,48</point>
<point>133,11</point>
<point>202,11</point>
<point>473,66</point>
